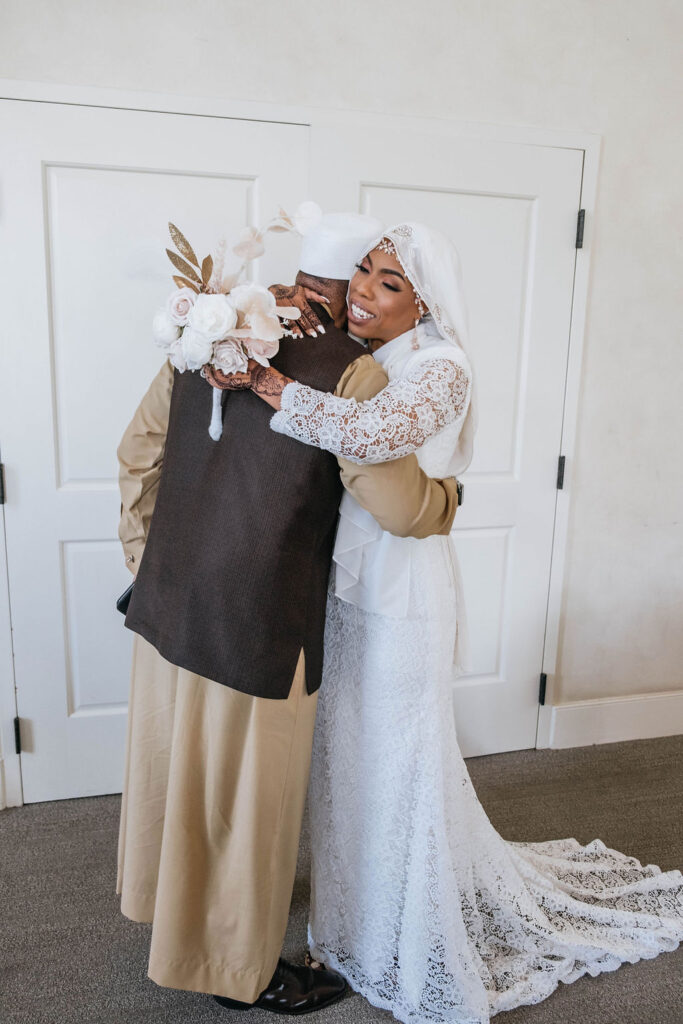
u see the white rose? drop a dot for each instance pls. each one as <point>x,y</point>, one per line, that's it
<point>176,357</point>
<point>165,331</point>
<point>213,316</point>
<point>229,357</point>
<point>261,350</point>
<point>196,348</point>
<point>179,305</point>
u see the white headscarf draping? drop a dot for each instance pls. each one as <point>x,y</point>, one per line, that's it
<point>373,568</point>
<point>432,265</point>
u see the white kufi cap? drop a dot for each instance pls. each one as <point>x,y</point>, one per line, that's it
<point>332,246</point>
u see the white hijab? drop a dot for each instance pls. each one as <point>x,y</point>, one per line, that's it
<point>432,265</point>
<point>373,567</point>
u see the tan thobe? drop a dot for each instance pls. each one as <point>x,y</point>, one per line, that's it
<point>215,780</point>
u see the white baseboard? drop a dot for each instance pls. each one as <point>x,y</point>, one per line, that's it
<point>612,719</point>
<point>10,782</point>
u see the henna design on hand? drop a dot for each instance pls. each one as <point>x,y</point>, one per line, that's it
<point>226,381</point>
<point>295,295</point>
<point>267,381</point>
<point>284,293</point>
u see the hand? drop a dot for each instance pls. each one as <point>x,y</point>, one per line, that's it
<point>228,381</point>
<point>265,381</point>
<point>300,296</point>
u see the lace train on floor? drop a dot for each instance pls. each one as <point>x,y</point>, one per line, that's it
<point>416,899</point>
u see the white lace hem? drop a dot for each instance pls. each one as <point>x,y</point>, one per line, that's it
<point>354,976</point>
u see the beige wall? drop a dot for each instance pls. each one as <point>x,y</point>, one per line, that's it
<point>599,65</point>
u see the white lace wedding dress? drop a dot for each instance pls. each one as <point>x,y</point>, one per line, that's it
<point>416,899</point>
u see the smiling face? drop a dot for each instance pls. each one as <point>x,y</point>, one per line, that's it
<point>382,303</point>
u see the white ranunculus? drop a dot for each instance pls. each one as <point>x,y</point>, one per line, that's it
<point>229,357</point>
<point>213,316</point>
<point>165,331</point>
<point>176,357</point>
<point>196,348</point>
<point>179,304</point>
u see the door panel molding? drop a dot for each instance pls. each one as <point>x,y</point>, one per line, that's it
<point>588,142</point>
<point>77,236</point>
<point>557,179</point>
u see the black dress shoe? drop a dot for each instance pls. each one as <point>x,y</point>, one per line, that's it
<point>294,990</point>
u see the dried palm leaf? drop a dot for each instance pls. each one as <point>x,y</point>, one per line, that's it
<point>183,267</point>
<point>183,282</point>
<point>182,244</point>
<point>207,269</point>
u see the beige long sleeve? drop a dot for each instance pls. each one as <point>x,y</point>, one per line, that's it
<point>141,454</point>
<point>400,495</point>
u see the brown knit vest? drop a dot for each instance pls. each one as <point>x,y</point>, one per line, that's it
<point>233,580</point>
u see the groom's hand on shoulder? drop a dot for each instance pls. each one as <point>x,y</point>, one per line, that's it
<point>301,297</point>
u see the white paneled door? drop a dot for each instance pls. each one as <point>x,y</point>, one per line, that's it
<point>85,197</point>
<point>511,210</point>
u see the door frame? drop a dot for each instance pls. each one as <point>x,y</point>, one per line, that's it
<point>589,143</point>
<point>11,793</point>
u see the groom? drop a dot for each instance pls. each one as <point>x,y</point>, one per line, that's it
<point>228,611</point>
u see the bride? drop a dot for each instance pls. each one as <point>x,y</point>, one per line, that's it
<point>416,899</point>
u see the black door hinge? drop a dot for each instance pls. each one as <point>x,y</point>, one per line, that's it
<point>541,688</point>
<point>560,472</point>
<point>17,735</point>
<point>579,229</point>
<point>2,484</point>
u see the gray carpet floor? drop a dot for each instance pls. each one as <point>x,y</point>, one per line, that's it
<point>67,956</point>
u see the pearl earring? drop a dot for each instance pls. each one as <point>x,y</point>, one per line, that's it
<point>421,310</point>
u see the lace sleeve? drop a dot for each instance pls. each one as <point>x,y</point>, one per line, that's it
<point>396,422</point>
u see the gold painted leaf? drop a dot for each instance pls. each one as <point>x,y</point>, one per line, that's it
<point>183,282</point>
<point>183,267</point>
<point>182,244</point>
<point>207,269</point>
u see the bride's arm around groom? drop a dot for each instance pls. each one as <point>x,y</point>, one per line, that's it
<point>401,497</point>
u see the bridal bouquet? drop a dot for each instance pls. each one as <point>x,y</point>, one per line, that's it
<point>212,319</point>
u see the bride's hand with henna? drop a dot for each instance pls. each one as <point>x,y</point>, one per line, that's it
<point>227,381</point>
<point>265,381</point>
<point>301,297</point>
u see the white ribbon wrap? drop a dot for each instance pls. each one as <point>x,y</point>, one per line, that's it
<point>216,425</point>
